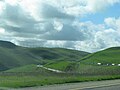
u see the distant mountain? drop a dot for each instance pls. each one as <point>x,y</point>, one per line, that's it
<point>14,56</point>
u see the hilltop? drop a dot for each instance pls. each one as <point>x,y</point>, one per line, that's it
<point>110,55</point>
<point>88,65</point>
<point>7,44</point>
<point>12,56</point>
<point>60,59</point>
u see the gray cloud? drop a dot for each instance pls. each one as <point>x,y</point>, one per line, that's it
<point>49,12</point>
<point>68,33</point>
<point>56,24</point>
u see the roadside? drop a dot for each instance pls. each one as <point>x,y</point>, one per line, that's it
<point>73,86</point>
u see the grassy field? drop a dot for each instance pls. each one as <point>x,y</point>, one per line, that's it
<point>17,81</point>
<point>87,69</point>
<point>30,75</point>
<point>61,65</point>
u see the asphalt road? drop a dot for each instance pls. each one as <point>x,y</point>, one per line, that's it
<point>95,85</point>
<point>116,87</point>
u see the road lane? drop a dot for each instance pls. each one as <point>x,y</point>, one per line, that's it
<point>116,87</point>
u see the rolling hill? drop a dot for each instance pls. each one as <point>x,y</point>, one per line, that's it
<point>32,68</point>
<point>19,65</point>
<point>72,61</point>
<point>88,65</point>
<point>65,66</point>
<point>107,56</point>
<point>15,56</point>
<point>108,59</point>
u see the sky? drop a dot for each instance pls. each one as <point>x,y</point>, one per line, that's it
<point>86,25</point>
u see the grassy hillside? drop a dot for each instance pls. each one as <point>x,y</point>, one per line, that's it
<point>7,44</point>
<point>26,68</point>
<point>14,56</point>
<point>89,64</point>
<point>85,69</point>
<point>31,69</point>
<point>66,66</point>
<point>108,56</point>
<point>58,53</point>
<point>30,75</point>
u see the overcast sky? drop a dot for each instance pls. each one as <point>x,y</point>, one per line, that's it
<point>87,25</point>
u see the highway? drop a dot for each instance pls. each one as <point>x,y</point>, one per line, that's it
<point>116,87</point>
<point>92,85</point>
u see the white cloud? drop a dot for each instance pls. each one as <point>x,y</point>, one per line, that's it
<point>55,23</point>
<point>81,7</point>
<point>97,5</point>
<point>2,31</point>
<point>97,37</point>
<point>2,7</point>
<point>12,2</point>
<point>113,22</point>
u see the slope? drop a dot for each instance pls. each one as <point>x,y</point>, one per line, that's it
<point>109,61</point>
<point>101,63</point>
<point>14,56</point>
<point>58,53</point>
<point>108,56</point>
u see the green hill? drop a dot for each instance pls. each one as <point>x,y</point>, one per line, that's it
<point>19,66</point>
<point>7,44</point>
<point>108,56</point>
<point>58,53</point>
<point>60,65</point>
<point>14,56</point>
<point>28,68</point>
<point>87,69</point>
<point>89,64</point>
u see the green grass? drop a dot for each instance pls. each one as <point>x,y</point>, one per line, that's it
<point>58,54</point>
<point>29,69</point>
<point>111,55</point>
<point>88,64</point>
<point>10,58</point>
<point>30,81</point>
<point>59,65</point>
<point>30,76</point>
<point>87,69</point>
<point>84,69</point>
<point>26,68</point>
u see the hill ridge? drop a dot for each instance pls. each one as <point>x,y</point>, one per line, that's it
<point>7,44</point>
<point>12,55</point>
